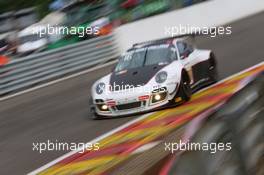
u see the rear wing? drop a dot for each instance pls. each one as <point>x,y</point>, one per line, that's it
<point>189,37</point>
<point>163,40</point>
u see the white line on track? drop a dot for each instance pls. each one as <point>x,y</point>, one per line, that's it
<point>126,124</point>
<point>93,141</point>
<point>145,147</point>
<point>57,81</point>
<point>256,113</point>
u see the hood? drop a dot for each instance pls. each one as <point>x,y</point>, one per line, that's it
<point>134,77</point>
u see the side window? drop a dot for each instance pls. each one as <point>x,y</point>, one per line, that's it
<point>172,54</point>
<point>184,49</point>
<point>190,48</point>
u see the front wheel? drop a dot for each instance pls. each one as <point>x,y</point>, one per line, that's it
<point>184,93</point>
<point>212,69</point>
<point>93,114</point>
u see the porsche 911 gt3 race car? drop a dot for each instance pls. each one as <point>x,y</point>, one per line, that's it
<point>152,75</point>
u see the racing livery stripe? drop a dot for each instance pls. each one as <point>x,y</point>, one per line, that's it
<point>134,77</point>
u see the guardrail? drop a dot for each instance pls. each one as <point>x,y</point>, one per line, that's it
<point>34,69</point>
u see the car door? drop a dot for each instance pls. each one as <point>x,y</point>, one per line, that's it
<point>186,57</point>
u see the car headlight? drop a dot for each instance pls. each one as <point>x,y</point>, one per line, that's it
<point>100,88</point>
<point>103,107</point>
<point>158,97</point>
<point>161,77</point>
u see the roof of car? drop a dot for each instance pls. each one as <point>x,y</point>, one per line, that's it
<point>168,40</point>
<point>148,45</point>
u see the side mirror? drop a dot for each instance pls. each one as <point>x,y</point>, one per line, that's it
<point>185,54</point>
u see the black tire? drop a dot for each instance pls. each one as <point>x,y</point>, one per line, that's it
<point>184,92</point>
<point>212,69</point>
<point>185,88</point>
<point>93,114</point>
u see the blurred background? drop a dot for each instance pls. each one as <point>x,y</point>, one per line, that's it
<point>19,17</point>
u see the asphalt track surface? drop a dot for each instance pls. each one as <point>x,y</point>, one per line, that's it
<point>60,111</point>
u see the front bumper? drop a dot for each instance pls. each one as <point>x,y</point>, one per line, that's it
<point>132,105</point>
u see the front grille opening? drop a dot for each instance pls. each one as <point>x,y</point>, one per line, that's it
<point>99,101</point>
<point>128,106</point>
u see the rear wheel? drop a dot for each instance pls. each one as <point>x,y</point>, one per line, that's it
<point>212,69</point>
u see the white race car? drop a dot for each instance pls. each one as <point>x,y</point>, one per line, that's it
<point>153,75</point>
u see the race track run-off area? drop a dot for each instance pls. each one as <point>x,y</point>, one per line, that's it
<point>123,144</point>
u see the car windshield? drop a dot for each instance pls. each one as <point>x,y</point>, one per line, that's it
<point>130,60</point>
<point>158,55</point>
<point>152,55</point>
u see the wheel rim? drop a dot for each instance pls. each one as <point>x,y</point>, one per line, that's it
<point>213,73</point>
<point>186,88</point>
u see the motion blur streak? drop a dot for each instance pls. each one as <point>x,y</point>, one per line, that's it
<point>120,146</point>
<point>60,111</point>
